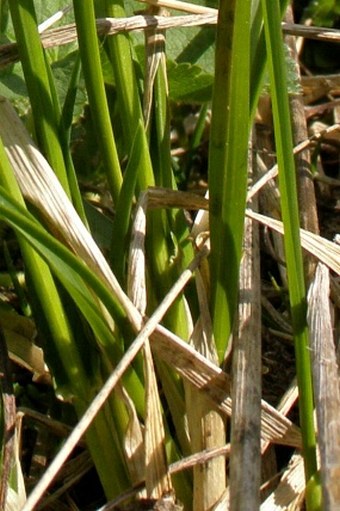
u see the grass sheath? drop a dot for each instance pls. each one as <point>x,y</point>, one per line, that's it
<point>228,163</point>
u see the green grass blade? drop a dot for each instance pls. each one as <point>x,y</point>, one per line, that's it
<point>290,216</point>
<point>65,125</point>
<point>106,436</point>
<point>128,93</point>
<point>45,115</point>
<point>70,99</point>
<point>51,249</point>
<point>39,272</point>
<point>91,65</point>
<point>51,135</point>
<point>160,146</point>
<point>228,162</point>
<point>259,53</point>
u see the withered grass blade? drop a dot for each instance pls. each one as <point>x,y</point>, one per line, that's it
<point>215,383</point>
<point>326,251</point>
<point>207,426</point>
<point>157,476</point>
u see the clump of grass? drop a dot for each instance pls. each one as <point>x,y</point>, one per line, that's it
<point>139,341</point>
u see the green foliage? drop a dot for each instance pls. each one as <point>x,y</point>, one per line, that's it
<point>325,13</point>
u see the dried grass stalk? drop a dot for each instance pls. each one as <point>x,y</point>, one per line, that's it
<point>133,445</point>
<point>245,460</point>
<point>306,192</point>
<point>326,386</point>
<point>321,248</point>
<point>136,278</point>
<point>199,16</point>
<point>324,250</point>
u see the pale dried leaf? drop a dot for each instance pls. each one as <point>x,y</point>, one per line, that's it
<point>133,441</point>
<point>136,263</point>
<point>321,248</point>
<point>289,398</point>
<point>16,492</point>
<point>201,223</point>
<point>324,250</point>
<point>40,186</point>
<point>19,333</point>
<point>26,354</point>
<point>206,426</point>
<point>157,476</point>
<point>290,489</point>
<point>224,502</point>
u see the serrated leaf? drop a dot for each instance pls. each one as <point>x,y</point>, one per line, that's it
<point>189,83</point>
<point>190,59</point>
<point>192,45</point>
